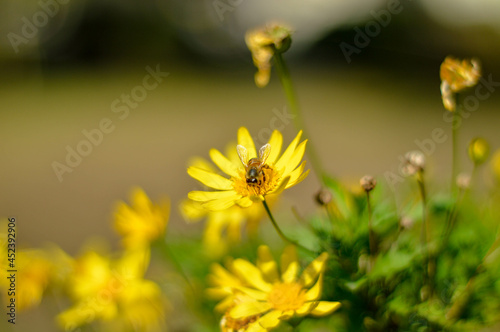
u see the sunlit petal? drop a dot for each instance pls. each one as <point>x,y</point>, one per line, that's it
<point>210,179</point>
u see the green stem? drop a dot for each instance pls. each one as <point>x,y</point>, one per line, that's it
<point>371,234</point>
<point>455,125</point>
<point>423,195</point>
<point>167,253</point>
<point>291,96</point>
<point>429,264</point>
<point>280,233</point>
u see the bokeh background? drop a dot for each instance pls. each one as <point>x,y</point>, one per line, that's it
<point>64,63</point>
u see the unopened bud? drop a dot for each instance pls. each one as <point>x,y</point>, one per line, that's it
<point>406,222</point>
<point>414,162</point>
<point>368,183</point>
<point>479,150</point>
<point>463,181</point>
<point>323,197</point>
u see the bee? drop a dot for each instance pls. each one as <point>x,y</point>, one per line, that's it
<point>254,167</point>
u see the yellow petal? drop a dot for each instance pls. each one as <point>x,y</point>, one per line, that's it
<point>221,203</point>
<point>312,271</point>
<point>249,308</point>
<point>270,320</point>
<point>221,277</point>
<point>202,163</point>
<point>244,202</point>
<point>225,304</point>
<point>306,308</point>
<point>192,211</point>
<point>295,174</point>
<point>217,293</point>
<point>281,187</point>
<point>210,179</point>
<point>296,158</point>
<point>289,264</point>
<point>223,163</point>
<point>290,274</point>
<point>255,327</point>
<point>276,140</point>
<point>204,196</point>
<point>315,291</point>
<point>254,294</point>
<point>285,158</point>
<point>325,308</point>
<point>251,274</point>
<point>299,180</point>
<point>267,264</point>
<point>246,140</point>
<point>286,315</point>
<point>140,200</point>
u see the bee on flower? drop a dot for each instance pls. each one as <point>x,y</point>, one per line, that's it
<point>258,298</point>
<point>251,177</point>
<point>456,76</point>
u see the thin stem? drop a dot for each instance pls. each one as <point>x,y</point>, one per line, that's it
<point>167,253</point>
<point>280,233</point>
<point>452,216</point>
<point>291,96</point>
<point>455,125</point>
<point>371,234</point>
<point>423,195</point>
<point>429,264</point>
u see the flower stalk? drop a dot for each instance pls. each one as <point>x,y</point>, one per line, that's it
<point>455,126</point>
<point>286,83</point>
<point>280,232</point>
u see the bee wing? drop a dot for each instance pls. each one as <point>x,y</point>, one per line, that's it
<point>243,154</point>
<point>264,153</point>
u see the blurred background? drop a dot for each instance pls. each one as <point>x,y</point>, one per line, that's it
<point>68,65</point>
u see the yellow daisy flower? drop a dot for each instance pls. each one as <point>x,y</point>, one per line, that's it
<point>142,222</point>
<point>251,178</point>
<point>263,42</point>
<point>257,298</point>
<point>456,76</point>
<point>114,292</point>
<point>36,270</point>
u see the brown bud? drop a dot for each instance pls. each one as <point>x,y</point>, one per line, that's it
<point>414,162</point>
<point>463,181</point>
<point>323,197</point>
<point>368,183</point>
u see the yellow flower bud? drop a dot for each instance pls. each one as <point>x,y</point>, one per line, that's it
<point>479,150</point>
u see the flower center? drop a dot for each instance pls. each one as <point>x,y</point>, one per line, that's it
<point>287,296</point>
<point>264,183</point>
